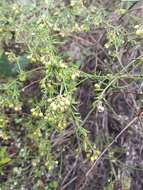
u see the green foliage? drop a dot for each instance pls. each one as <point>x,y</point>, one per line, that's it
<point>4,158</point>
<point>38,84</point>
<point>5,67</point>
<point>10,70</point>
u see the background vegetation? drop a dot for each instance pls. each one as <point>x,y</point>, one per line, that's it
<point>71,95</point>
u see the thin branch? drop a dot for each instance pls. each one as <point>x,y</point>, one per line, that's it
<point>34,82</point>
<point>109,146</point>
<point>66,185</point>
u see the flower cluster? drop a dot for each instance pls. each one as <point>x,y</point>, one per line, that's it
<point>61,104</point>
<point>139,31</point>
<point>36,112</point>
<point>55,114</point>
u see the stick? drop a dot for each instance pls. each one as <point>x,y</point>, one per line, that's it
<point>109,146</point>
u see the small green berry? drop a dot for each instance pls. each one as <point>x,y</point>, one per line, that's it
<point>41,114</point>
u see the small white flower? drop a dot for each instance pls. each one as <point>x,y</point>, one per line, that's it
<point>62,65</point>
<point>40,114</point>
<point>100,107</point>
